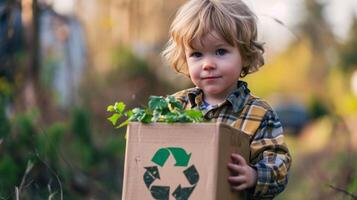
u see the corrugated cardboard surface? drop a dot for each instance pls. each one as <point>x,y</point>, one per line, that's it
<point>207,146</point>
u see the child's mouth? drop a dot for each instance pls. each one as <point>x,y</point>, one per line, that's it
<point>211,77</point>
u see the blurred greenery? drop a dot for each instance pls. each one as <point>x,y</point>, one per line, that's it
<point>124,59</point>
<point>348,50</point>
<point>76,161</point>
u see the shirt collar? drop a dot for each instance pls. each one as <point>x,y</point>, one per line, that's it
<point>237,98</point>
<point>195,96</point>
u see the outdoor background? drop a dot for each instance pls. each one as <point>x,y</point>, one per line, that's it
<point>63,62</point>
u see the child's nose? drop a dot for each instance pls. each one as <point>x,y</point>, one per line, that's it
<point>208,64</point>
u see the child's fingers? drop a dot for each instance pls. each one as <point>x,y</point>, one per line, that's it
<point>236,158</point>
<point>235,180</point>
<point>235,168</point>
<point>239,187</point>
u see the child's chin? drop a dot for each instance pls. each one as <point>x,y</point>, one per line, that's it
<point>212,91</point>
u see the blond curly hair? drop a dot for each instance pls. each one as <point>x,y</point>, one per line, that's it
<point>231,19</point>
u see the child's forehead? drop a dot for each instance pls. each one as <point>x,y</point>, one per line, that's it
<point>208,39</point>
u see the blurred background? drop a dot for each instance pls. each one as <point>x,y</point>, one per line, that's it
<point>62,62</point>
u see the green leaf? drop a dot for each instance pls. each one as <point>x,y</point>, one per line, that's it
<point>159,109</point>
<point>110,108</point>
<point>173,103</point>
<point>126,122</point>
<point>196,115</point>
<point>171,117</point>
<point>184,118</point>
<point>156,116</point>
<point>137,114</point>
<point>128,113</point>
<point>146,118</point>
<point>137,110</point>
<point>119,107</point>
<point>157,103</point>
<point>114,118</point>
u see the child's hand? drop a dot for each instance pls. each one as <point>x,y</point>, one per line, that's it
<point>243,176</point>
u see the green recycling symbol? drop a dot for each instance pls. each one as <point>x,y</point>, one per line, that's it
<point>182,160</point>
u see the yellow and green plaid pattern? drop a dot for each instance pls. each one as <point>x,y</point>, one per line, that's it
<point>269,154</point>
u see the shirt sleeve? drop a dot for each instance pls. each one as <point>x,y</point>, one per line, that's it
<point>270,157</point>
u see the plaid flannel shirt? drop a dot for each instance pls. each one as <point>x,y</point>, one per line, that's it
<point>269,154</point>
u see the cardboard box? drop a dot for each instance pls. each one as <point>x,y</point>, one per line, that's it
<point>181,161</point>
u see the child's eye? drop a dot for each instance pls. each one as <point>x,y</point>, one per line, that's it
<point>196,54</point>
<point>221,52</point>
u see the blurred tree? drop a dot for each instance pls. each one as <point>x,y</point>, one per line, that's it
<point>29,91</point>
<point>348,55</point>
<point>10,47</point>
<point>10,37</point>
<point>140,25</point>
<point>322,44</point>
<point>323,47</point>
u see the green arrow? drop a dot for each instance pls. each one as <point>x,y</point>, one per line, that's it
<point>160,192</point>
<point>153,171</point>
<point>181,193</point>
<point>192,175</point>
<point>161,156</point>
<point>180,155</point>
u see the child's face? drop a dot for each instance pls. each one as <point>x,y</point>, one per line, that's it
<point>214,66</point>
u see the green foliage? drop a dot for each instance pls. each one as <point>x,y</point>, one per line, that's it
<point>160,109</point>
<point>59,152</point>
<point>10,172</point>
<point>26,132</point>
<point>15,149</point>
<point>6,88</point>
<point>50,141</point>
<point>4,122</point>
<point>317,109</point>
<point>82,130</point>
<point>348,53</point>
<point>125,60</point>
<point>352,187</point>
<point>115,147</point>
<point>80,125</point>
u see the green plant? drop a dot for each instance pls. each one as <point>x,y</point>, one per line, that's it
<point>160,109</point>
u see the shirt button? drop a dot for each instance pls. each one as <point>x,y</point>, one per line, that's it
<point>210,115</point>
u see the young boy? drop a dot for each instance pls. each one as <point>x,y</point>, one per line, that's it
<point>214,43</point>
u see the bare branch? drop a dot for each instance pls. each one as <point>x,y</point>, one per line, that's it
<point>54,173</point>
<point>343,191</point>
<point>23,180</point>
<point>283,25</point>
